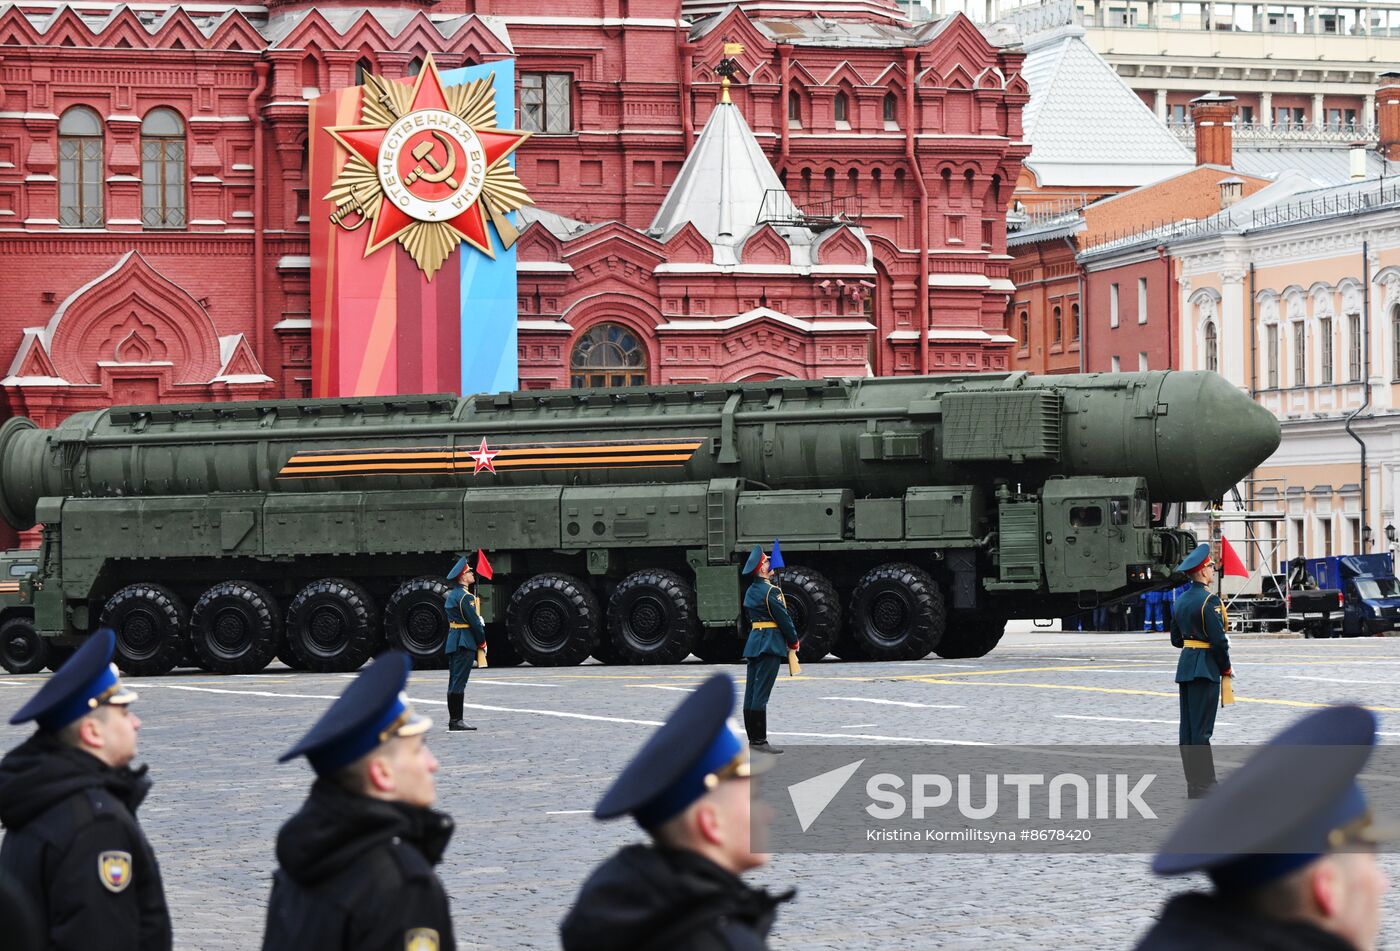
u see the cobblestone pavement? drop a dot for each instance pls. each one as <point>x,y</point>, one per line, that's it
<point>550,739</point>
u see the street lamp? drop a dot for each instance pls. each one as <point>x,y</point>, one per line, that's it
<point>1390,537</point>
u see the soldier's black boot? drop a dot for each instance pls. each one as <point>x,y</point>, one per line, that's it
<point>455,722</point>
<point>760,730</point>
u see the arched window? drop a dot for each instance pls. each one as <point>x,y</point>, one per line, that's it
<point>1025,329</point>
<point>1057,325</point>
<point>1074,328</point>
<point>415,66</point>
<point>608,355</point>
<point>794,110</point>
<point>80,169</point>
<point>1300,353</point>
<point>843,111</point>
<point>1354,348</point>
<point>362,70</point>
<point>1271,345</point>
<point>1395,341</point>
<point>891,109</point>
<point>1212,349</point>
<point>163,169</point>
<point>1324,348</point>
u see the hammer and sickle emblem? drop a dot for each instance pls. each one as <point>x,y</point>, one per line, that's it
<point>423,152</point>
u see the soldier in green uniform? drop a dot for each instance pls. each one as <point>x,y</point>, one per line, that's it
<point>1198,629</point>
<point>771,635</point>
<point>466,633</point>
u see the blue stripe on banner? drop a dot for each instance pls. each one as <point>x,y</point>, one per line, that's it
<point>488,302</point>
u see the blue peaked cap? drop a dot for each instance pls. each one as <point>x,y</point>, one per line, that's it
<point>682,760</point>
<point>1198,557</point>
<point>755,559</point>
<point>457,569</point>
<point>86,681</point>
<point>371,711</point>
<point>1293,801</point>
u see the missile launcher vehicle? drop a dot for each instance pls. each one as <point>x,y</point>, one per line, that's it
<point>917,514</point>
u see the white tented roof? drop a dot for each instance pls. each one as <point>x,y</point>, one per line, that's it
<point>1086,127</point>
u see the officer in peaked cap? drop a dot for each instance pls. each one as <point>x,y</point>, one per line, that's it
<point>1198,629</point>
<point>1289,844</point>
<point>771,635</point>
<point>689,788</point>
<point>466,634</point>
<point>68,801</point>
<point>356,862</point>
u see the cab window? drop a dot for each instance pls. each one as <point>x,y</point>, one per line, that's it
<point>23,569</point>
<point>1085,516</point>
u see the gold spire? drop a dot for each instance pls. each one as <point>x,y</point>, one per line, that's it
<point>726,69</point>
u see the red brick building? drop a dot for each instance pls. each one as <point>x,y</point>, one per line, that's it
<point>154,207</point>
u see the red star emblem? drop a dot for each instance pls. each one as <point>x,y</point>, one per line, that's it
<point>429,164</point>
<point>482,457</point>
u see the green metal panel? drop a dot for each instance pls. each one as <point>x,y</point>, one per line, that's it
<point>879,519</point>
<point>313,524</point>
<point>526,517</point>
<point>942,512</point>
<point>1014,426</point>
<point>816,515</point>
<point>671,515</point>
<point>426,520</point>
<point>491,603</point>
<point>1019,543</point>
<point>721,496</point>
<point>717,593</point>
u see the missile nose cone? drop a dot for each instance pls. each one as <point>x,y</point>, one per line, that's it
<point>1213,435</point>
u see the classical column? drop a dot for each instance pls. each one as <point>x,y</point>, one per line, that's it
<point>1266,109</point>
<point>1319,116</point>
<point>1162,105</point>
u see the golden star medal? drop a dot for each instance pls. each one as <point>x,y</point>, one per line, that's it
<point>426,167</point>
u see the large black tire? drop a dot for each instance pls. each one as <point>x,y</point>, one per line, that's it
<point>235,628</point>
<point>332,626</point>
<point>652,618</point>
<point>970,634</point>
<point>897,613</point>
<point>719,645</point>
<point>22,650</point>
<point>815,610</point>
<point>151,623</point>
<point>553,620</point>
<point>415,621</point>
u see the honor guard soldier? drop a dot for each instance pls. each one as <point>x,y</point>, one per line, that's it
<point>466,635</point>
<point>1288,843</point>
<point>356,862</point>
<point>68,801</point>
<point>1198,629</point>
<point>771,635</point>
<point>689,788</point>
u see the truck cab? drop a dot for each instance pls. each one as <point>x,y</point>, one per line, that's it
<point>1369,593</point>
<point>22,650</point>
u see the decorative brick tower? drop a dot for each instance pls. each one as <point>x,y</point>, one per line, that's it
<point>1214,117</point>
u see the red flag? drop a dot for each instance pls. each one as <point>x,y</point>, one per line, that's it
<point>1230,563</point>
<point>483,567</point>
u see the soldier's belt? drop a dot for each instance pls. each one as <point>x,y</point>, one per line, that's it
<point>764,625</point>
<point>455,624</point>
<point>1203,645</point>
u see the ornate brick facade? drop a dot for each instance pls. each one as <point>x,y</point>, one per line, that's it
<point>917,127</point>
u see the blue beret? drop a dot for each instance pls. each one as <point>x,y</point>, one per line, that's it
<point>755,559</point>
<point>370,711</point>
<point>1198,557</point>
<point>457,569</point>
<point>684,759</point>
<point>1293,801</point>
<point>86,681</point>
